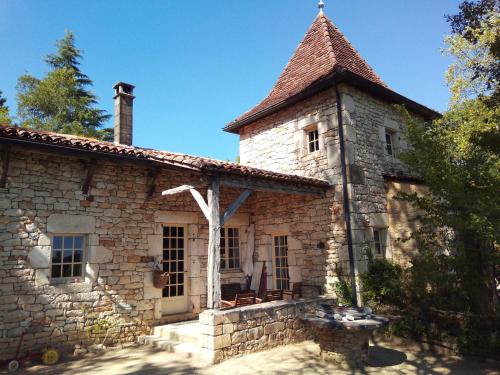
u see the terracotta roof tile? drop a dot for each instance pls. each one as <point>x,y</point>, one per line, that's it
<point>180,160</point>
<point>323,49</point>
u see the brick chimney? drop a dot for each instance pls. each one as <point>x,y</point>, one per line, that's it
<point>124,100</point>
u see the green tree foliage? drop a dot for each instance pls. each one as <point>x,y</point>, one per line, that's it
<point>475,28</point>
<point>61,102</point>
<point>4,111</point>
<point>458,157</point>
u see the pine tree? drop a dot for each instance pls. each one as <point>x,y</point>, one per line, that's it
<point>61,102</point>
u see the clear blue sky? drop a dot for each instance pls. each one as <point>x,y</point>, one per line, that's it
<point>198,64</point>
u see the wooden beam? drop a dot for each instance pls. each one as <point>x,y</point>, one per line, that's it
<point>5,166</point>
<point>201,202</point>
<point>273,187</point>
<point>213,271</point>
<point>152,177</point>
<point>196,195</point>
<point>177,190</point>
<point>234,206</point>
<point>91,167</point>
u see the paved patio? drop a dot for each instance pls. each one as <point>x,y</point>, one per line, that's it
<point>385,358</point>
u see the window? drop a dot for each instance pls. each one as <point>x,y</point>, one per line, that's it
<point>381,241</point>
<point>313,140</point>
<point>281,262</point>
<point>67,256</point>
<point>173,260</point>
<point>389,142</point>
<point>229,248</point>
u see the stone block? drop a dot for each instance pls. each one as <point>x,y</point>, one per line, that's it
<point>100,254</point>
<point>219,342</point>
<point>39,257</point>
<point>274,327</point>
<point>15,316</point>
<point>238,337</point>
<point>155,245</point>
<point>228,328</point>
<point>64,223</point>
<point>42,277</point>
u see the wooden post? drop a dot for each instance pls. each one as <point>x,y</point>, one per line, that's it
<point>213,272</point>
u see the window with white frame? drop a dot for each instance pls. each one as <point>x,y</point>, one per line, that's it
<point>229,248</point>
<point>312,140</point>
<point>380,242</point>
<point>67,256</point>
<point>389,142</point>
<point>282,277</point>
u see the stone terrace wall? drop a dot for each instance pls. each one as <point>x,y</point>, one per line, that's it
<point>44,197</point>
<point>235,332</point>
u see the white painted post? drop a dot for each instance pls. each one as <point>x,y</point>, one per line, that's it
<point>213,272</point>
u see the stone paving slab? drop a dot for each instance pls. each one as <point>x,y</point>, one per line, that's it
<point>385,358</point>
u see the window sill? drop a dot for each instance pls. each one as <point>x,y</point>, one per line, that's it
<point>69,287</point>
<point>67,281</point>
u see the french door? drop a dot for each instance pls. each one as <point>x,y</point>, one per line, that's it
<point>175,294</point>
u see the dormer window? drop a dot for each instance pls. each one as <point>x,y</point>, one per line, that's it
<point>389,142</point>
<point>313,140</point>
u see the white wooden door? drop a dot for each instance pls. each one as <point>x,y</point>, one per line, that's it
<point>175,295</point>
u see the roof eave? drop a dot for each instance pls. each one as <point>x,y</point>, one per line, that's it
<point>339,75</point>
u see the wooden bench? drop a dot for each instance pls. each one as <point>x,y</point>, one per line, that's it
<point>241,299</point>
<point>273,295</point>
<point>229,291</point>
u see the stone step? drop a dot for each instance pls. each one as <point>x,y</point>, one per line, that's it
<point>186,332</point>
<point>184,349</point>
<point>175,318</point>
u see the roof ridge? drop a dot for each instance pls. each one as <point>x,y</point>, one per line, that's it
<point>329,37</point>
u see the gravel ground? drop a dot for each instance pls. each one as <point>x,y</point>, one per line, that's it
<point>403,357</point>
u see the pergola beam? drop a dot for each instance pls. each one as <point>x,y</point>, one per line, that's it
<point>273,187</point>
<point>234,206</point>
<point>196,195</point>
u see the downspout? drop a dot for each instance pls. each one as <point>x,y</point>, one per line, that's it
<point>345,196</point>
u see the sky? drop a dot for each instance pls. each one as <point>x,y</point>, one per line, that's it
<point>199,64</point>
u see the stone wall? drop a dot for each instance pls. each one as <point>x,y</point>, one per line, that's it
<point>276,142</point>
<point>122,229</point>
<point>403,220</point>
<point>235,332</point>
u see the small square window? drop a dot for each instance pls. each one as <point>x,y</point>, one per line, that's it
<point>67,256</point>
<point>313,140</point>
<point>389,142</point>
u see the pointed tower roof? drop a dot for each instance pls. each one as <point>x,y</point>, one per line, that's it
<point>323,50</point>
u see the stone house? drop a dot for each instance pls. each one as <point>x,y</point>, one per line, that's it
<point>83,221</point>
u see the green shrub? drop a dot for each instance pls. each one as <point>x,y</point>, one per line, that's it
<point>343,290</point>
<point>382,284</point>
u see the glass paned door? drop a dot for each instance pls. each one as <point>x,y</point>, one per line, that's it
<point>175,259</point>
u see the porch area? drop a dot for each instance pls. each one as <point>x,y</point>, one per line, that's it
<point>222,334</point>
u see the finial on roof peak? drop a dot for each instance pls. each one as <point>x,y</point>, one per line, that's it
<point>321,5</point>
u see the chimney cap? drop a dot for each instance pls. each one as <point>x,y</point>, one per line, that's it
<point>122,88</point>
<point>124,85</point>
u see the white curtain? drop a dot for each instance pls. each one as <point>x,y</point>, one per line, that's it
<point>247,256</point>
